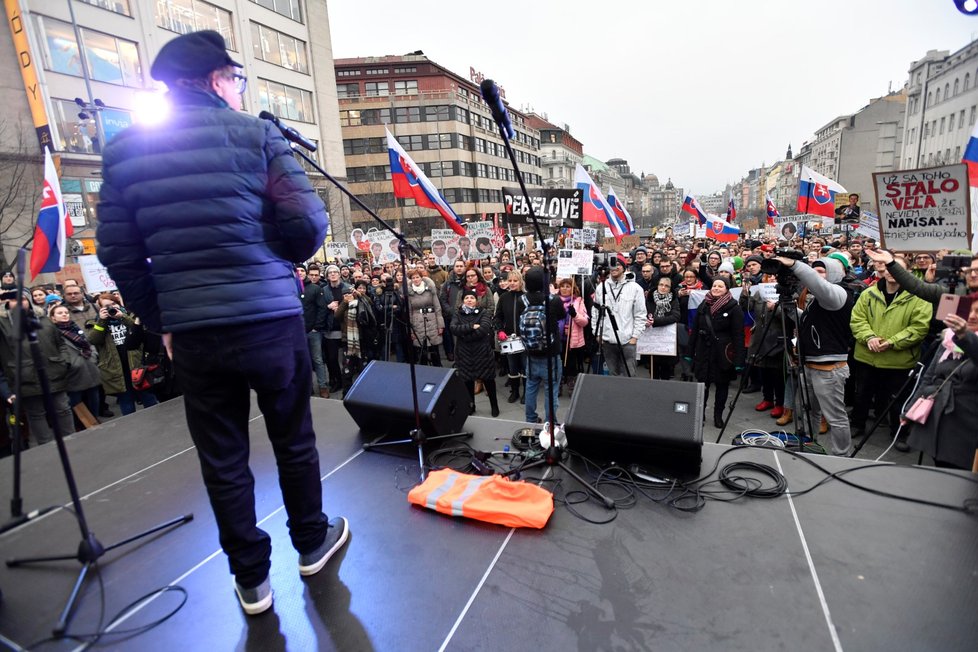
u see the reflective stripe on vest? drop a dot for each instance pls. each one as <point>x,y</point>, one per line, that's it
<point>459,503</point>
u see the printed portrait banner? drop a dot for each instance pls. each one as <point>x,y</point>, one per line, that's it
<point>443,242</point>
<point>924,210</point>
<point>574,262</point>
<point>480,240</point>
<point>657,341</point>
<point>96,276</point>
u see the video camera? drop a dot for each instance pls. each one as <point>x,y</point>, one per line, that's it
<point>787,282</point>
<point>950,266</point>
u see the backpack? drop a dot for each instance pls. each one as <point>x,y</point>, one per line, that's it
<point>530,327</point>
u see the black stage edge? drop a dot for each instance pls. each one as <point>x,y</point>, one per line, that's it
<point>733,576</point>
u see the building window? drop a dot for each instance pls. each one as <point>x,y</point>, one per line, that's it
<point>288,8</point>
<point>961,119</point>
<point>942,126</point>
<point>60,47</point>
<point>411,143</point>
<point>347,90</point>
<point>347,73</point>
<point>405,86</point>
<point>947,91</point>
<point>75,134</point>
<point>350,118</point>
<point>404,71</point>
<point>435,113</point>
<point>376,116</point>
<point>950,124</point>
<point>971,119</point>
<point>278,48</point>
<point>957,153</point>
<point>286,101</point>
<point>117,6</point>
<point>185,16</point>
<point>378,71</point>
<point>110,59</point>
<point>376,89</point>
<point>407,114</point>
<point>955,86</point>
<point>967,81</point>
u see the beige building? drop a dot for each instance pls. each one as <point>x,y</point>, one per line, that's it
<point>100,52</point>
<point>441,121</point>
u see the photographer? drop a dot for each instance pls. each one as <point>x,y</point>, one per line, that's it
<point>824,335</point>
<point>623,303</point>
<point>388,306</point>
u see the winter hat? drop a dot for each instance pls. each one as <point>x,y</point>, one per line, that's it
<point>726,266</point>
<point>738,263</point>
<point>332,268</point>
<point>51,298</point>
<point>841,258</point>
<point>757,259</point>
<point>470,291</point>
<point>726,281</point>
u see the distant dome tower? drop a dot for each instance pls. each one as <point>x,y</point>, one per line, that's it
<point>788,156</point>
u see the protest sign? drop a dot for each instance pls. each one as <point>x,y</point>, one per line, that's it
<point>480,235</point>
<point>573,262</point>
<point>562,206</point>
<point>628,242</point>
<point>70,270</point>
<point>336,250</point>
<point>869,225</point>
<point>657,341</point>
<point>444,246</point>
<point>768,291</point>
<point>96,277</point>
<point>924,210</point>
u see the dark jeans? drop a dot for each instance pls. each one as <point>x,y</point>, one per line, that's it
<point>90,397</point>
<point>217,368</point>
<point>875,388</point>
<point>772,384</point>
<point>127,400</point>
<point>331,353</point>
<point>720,401</point>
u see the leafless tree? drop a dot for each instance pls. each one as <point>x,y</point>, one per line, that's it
<point>21,172</point>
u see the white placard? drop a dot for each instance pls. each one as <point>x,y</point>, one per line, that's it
<point>869,225</point>
<point>339,250</point>
<point>657,341</point>
<point>924,210</point>
<point>574,262</point>
<point>479,240</point>
<point>768,291</point>
<point>96,277</point>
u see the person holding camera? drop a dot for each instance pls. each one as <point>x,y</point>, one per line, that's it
<point>824,334</point>
<point>717,344</point>
<point>622,301</point>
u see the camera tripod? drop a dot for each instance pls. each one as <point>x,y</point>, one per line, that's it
<point>605,311</point>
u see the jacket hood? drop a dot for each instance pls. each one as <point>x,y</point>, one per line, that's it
<point>834,271</point>
<point>534,280</point>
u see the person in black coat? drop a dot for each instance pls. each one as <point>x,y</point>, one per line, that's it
<point>474,358</point>
<point>662,305</point>
<point>717,344</point>
<point>505,325</point>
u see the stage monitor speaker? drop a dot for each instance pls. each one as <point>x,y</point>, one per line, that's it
<point>657,424</point>
<point>380,400</point>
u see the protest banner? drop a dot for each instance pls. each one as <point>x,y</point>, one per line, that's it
<point>524,244</point>
<point>574,262</point>
<point>444,246</point>
<point>70,270</point>
<point>336,250</point>
<point>869,225</point>
<point>480,235</point>
<point>768,291</point>
<point>628,242</point>
<point>657,341</point>
<point>561,206</point>
<point>927,209</point>
<point>96,276</point>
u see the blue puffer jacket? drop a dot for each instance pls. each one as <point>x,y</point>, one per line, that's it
<point>201,219</point>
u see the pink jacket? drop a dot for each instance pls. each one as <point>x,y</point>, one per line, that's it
<point>577,324</point>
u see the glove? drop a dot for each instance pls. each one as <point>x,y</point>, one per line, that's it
<point>502,336</point>
<point>571,312</point>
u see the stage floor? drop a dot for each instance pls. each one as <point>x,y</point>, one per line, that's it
<point>834,569</point>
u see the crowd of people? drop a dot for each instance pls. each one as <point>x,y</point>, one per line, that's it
<point>864,319</point>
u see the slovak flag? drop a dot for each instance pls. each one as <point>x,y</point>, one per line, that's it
<point>731,211</point>
<point>971,157</point>
<point>411,183</point>
<point>620,211</point>
<point>772,210</point>
<point>722,231</point>
<point>53,224</point>
<point>691,206</point>
<point>596,208</point>
<point>816,193</point>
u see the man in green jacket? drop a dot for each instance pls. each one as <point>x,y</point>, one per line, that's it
<point>888,324</point>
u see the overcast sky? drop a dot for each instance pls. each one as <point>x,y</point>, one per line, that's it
<point>696,90</point>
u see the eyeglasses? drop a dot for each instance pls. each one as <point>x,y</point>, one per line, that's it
<point>971,271</point>
<point>922,258</point>
<point>240,83</point>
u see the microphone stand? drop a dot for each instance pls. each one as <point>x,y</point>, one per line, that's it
<point>90,550</point>
<point>553,456</point>
<point>416,436</point>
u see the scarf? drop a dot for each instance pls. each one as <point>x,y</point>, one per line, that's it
<point>74,335</point>
<point>717,303</point>
<point>468,310</point>
<point>951,350</point>
<point>352,330</point>
<point>419,289</point>
<point>663,304</point>
<point>479,287</point>
<point>565,321</point>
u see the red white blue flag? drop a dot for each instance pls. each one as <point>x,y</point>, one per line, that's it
<point>731,211</point>
<point>721,231</point>
<point>971,157</point>
<point>816,193</point>
<point>53,224</point>
<point>596,207</point>
<point>691,206</point>
<point>411,183</point>
<point>620,212</point>
<point>772,210</point>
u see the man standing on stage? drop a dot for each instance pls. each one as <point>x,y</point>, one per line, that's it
<point>201,221</point>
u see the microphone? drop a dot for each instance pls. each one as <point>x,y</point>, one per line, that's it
<point>289,133</point>
<point>490,93</point>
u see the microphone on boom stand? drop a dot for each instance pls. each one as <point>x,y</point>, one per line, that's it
<point>289,133</point>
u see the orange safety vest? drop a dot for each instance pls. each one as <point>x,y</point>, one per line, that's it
<point>493,498</point>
